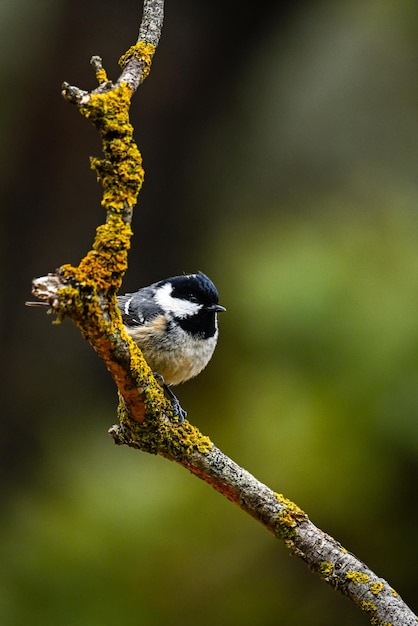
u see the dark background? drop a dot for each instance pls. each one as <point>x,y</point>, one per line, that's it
<point>280,149</point>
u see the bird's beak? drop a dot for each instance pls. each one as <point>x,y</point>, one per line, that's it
<point>218,308</point>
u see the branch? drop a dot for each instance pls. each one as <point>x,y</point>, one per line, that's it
<point>87,295</point>
<point>325,556</point>
<point>152,20</point>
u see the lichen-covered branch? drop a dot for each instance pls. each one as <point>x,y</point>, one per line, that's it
<point>86,294</point>
<point>325,556</point>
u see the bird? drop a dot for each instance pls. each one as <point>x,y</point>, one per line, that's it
<point>174,322</point>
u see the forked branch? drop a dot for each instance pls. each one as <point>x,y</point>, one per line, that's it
<point>87,295</point>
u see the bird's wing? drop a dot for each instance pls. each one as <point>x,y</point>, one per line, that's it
<point>138,308</point>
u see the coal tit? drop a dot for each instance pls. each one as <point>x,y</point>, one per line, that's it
<point>174,323</point>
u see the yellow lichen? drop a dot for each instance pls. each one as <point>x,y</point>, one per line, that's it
<point>80,301</point>
<point>287,521</point>
<point>143,52</point>
<point>89,292</point>
<point>376,588</point>
<point>291,514</point>
<point>101,76</point>
<point>358,578</point>
<point>326,568</point>
<point>120,171</point>
<point>368,606</point>
<point>106,263</point>
<point>173,440</point>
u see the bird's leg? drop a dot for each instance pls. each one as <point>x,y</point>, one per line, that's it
<point>178,409</point>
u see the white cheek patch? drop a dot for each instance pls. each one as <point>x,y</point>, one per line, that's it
<point>175,306</point>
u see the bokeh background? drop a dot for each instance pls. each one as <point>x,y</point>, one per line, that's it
<point>280,148</point>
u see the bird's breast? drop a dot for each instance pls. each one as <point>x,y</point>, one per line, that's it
<point>174,354</point>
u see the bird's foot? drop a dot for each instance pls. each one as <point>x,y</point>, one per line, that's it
<point>178,409</point>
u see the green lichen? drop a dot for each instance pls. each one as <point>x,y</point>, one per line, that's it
<point>358,578</point>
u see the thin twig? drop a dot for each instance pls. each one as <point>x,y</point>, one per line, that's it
<point>152,21</point>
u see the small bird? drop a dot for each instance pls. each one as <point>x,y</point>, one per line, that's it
<point>174,322</point>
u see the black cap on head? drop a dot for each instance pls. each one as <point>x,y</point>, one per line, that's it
<point>195,287</point>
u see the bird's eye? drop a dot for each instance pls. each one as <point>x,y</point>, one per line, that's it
<point>192,298</point>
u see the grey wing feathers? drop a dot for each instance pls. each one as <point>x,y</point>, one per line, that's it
<point>138,308</point>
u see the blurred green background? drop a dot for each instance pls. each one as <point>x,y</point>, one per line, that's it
<point>280,149</point>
